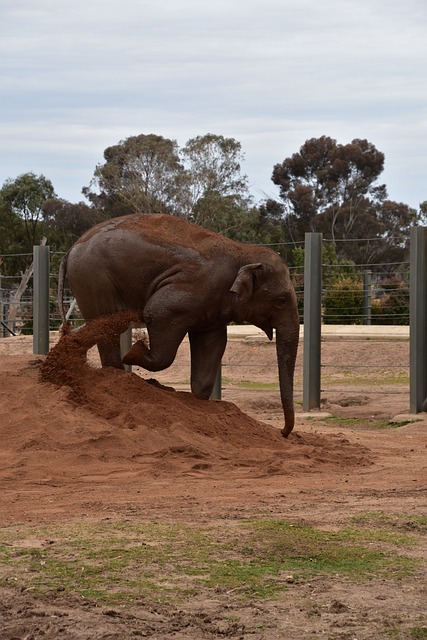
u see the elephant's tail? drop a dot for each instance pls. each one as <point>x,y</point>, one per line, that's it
<point>61,285</point>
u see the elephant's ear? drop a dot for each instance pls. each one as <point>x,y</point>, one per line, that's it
<point>243,285</point>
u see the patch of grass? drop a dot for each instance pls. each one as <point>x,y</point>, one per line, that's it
<point>116,562</point>
<point>401,521</point>
<point>418,632</point>
<point>250,384</point>
<point>353,552</point>
<point>364,423</point>
<point>374,376</point>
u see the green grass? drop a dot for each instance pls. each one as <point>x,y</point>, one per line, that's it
<point>120,562</point>
<point>400,521</point>
<point>364,423</point>
<point>372,378</point>
<point>250,384</point>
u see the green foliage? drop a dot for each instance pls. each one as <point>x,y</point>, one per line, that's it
<point>213,166</point>
<point>21,219</point>
<point>392,307</point>
<point>141,173</point>
<point>332,188</point>
<point>24,198</point>
<point>295,262</point>
<point>227,215</point>
<point>66,222</point>
<point>326,187</point>
<point>201,182</point>
<point>27,318</point>
<point>343,301</point>
<point>343,290</point>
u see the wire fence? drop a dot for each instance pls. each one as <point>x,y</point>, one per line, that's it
<point>352,294</point>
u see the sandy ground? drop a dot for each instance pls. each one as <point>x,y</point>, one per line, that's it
<point>85,444</point>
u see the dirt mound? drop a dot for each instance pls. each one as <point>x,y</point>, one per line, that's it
<point>91,446</point>
<point>64,420</point>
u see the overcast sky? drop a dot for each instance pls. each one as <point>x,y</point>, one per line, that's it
<point>79,76</point>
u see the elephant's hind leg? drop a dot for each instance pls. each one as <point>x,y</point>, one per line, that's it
<point>207,349</point>
<point>109,353</point>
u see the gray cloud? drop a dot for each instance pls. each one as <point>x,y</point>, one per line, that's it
<point>78,77</point>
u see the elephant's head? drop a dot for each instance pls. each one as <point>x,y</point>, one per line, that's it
<point>264,296</point>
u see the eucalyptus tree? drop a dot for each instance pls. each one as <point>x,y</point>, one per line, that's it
<point>217,190</point>
<point>21,204</point>
<point>140,173</point>
<point>334,188</point>
<point>66,221</point>
<point>202,181</point>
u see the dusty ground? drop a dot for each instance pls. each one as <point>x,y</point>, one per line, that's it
<point>108,444</point>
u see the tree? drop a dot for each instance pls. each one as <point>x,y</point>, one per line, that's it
<point>22,201</point>
<point>65,222</point>
<point>140,174</point>
<point>333,188</point>
<point>201,182</point>
<point>386,228</point>
<point>212,164</point>
<point>12,233</point>
<point>423,212</point>
<point>326,186</point>
<point>217,191</point>
<point>227,215</point>
<point>272,231</point>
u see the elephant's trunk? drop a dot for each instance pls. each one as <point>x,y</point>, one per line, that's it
<point>287,335</point>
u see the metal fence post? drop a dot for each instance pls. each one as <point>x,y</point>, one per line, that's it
<point>418,320</point>
<point>41,256</point>
<point>312,320</point>
<point>125,345</point>
<point>216,391</point>
<point>367,295</point>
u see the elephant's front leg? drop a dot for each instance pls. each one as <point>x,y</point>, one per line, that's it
<point>207,349</point>
<point>158,354</point>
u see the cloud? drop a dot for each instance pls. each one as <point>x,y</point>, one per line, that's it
<point>78,77</point>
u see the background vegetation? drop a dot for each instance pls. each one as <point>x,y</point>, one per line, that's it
<point>327,187</point>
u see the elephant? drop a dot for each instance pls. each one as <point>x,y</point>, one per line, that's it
<point>183,279</point>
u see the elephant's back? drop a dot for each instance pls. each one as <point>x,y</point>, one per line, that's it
<point>158,230</point>
<point>117,264</point>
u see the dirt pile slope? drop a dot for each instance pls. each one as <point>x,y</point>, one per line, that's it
<point>63,420</point>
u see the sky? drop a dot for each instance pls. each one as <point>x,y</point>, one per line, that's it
<point>77,77</point>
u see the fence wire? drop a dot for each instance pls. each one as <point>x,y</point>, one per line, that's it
<point>348,297</point>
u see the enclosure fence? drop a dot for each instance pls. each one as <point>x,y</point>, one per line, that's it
<point>328,294</point>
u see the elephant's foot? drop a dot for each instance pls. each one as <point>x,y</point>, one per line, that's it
<point>136,354</point>
<point>202,394</point>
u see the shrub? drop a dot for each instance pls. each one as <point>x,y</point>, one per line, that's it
<point>392,305</point>
<point>343,301</point>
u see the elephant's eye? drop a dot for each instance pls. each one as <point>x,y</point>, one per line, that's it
<point>281,302</point>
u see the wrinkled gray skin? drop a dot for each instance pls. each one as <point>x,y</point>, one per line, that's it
<point>183,279</point>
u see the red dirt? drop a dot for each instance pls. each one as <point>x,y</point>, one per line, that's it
<point>79,443</point>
